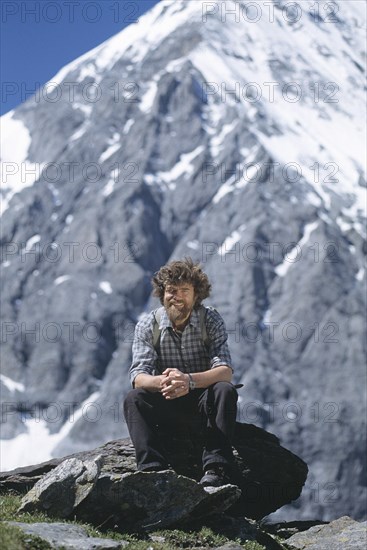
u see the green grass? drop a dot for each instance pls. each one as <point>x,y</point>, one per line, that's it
<point>9,504</point>
<point>12,538</point>
<point>191,539</point>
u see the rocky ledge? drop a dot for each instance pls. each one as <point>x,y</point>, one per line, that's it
<point>101,487</point>
<point>265,477</point>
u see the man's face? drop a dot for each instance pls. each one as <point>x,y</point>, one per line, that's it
<point>179,301</point>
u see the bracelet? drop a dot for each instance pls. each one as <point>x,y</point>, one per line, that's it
<point>192,383</point>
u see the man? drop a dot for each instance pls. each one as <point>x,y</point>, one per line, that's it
<point>181,378</point>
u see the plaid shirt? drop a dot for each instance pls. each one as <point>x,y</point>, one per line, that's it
<point>187,352</point>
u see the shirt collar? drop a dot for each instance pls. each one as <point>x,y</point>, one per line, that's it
<point>165,322</point>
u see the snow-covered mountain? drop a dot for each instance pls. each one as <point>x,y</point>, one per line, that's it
<point>233,132</point>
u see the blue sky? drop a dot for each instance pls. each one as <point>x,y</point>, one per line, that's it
<point>38,37</point>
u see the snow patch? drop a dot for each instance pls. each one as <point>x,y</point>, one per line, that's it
<point>87,71</point>
<point>231,240</point>
<point>16,171</point>
<point>110,185</point>
<point>230,186</point>
<point>55,194</point>
<point>325,218</point>
<point>31,242</point>
<point>128,125</point>
<point>344,225</point>
<point>147,101</point>
<point>314,199</point>
<point>11,384</point>
<point>224,189</point>
<point>194,245</point>
<point>114,145</point>
<point>218,140</point>
<point>79,133</point>
<point>37,445</point>
<point>182,168</point>
<point>267,316</point>
<point>360,274</point>
<point>106,287</point>
<point>108,188</point>
<point>282,269</point>
<point>86,109</point>
<point>229,243</point>
<point>61,279</point>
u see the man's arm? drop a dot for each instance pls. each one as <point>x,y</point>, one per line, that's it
<point>143,367</point>
<point>218,346</point>
<point>149,382</point>
<point>209,377</point>
<point>176,383</point>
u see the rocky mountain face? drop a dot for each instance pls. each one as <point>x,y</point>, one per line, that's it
<point>228,132</point>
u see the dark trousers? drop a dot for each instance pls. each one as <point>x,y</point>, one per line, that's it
<point>210,412</point>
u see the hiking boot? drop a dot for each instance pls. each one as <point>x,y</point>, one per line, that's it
<point>215,476</point>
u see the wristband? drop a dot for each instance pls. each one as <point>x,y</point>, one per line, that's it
<point>192,383</point>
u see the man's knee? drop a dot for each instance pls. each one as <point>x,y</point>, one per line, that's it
<point>134,396</point>
<point>138,399</point>
<point>140,404</point>
<point>225,390</point>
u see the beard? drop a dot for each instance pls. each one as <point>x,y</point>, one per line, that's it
<point>177,312</point>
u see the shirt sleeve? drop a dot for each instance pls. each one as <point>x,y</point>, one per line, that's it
<point>218,346</point>
<point>145,357</point>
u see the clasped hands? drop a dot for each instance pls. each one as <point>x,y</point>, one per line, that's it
<point>174,383</point>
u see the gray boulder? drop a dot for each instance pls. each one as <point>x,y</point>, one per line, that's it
<point>61,490</point>
<point>66,536</point>
<point>341,534</point>
<point>152,501</point>
<point>268,475</point>
<point>125,501</point>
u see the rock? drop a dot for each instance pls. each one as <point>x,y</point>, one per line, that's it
<point>22,479</point>
<point>268,475</point>
<point>66,536</point>
<point>241,529</point>
<point>154,500</point>
<point>117,456</point>
<point>341,534</point>
<point>285,530</point>
<point>129,501</point>
<point>64,488</point>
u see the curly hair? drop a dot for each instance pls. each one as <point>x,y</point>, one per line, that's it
<point>182,271</point>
